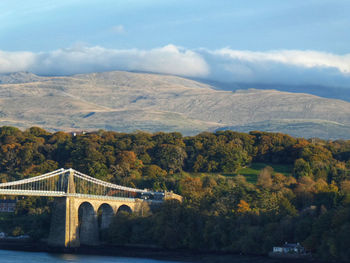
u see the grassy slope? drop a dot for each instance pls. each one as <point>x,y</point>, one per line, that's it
<point>251,173</point>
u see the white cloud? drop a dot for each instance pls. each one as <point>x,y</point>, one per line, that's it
<point>15,61</point>
<point>79,59</point>
<point>280,66</point>
<point>307,59</point>
<point>226,65</point>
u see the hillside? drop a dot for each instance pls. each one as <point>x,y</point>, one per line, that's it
<point>330,92</point>
<point>125,101</point>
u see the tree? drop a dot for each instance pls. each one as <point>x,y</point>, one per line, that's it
<point>345,186</point>
<point>170,157</point>
<point>286,208</point>
<point>243,207</point>
<point>191,187</point>
<point>153,171</point>
<point>301,168</point>
<point>264,178</point>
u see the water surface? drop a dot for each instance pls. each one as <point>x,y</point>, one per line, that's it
<point>9,256</point>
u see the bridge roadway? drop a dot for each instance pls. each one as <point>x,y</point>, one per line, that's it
<point>59,194</point>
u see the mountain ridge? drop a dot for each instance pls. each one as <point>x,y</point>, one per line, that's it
<point>328,92</point>
<point>125,101</point>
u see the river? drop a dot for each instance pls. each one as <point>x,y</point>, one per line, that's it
<point>10,256</point>
<point>14,256</point>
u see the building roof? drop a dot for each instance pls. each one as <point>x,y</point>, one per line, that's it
<point>291,245</point>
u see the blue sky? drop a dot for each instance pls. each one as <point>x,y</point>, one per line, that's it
<point>234,40</point>
<point>245,25</point>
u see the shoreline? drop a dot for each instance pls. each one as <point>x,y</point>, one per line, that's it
<point>180,255</point>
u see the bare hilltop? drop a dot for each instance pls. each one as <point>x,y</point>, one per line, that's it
<point>125,102</point>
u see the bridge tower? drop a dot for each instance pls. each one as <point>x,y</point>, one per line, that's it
<point>64,230</point>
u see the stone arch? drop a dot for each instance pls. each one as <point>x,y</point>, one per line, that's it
<point>124,208</point>
<point>88,225</point>
<point>105,215</point>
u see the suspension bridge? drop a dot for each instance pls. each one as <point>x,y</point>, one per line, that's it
<point>79,201</point>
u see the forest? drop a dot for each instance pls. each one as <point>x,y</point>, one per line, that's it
<point>224,208</point>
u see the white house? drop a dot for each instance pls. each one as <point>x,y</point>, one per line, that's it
<point>291,248</point>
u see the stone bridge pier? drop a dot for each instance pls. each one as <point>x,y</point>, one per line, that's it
<point>77,221</point>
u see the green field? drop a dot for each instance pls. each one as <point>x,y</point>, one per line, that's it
<point>252,172</point>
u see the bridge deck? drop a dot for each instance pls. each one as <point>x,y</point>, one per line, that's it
<point>63,194</point>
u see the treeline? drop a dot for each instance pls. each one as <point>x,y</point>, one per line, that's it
<point>121,157</point>
<point>221,210</point>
